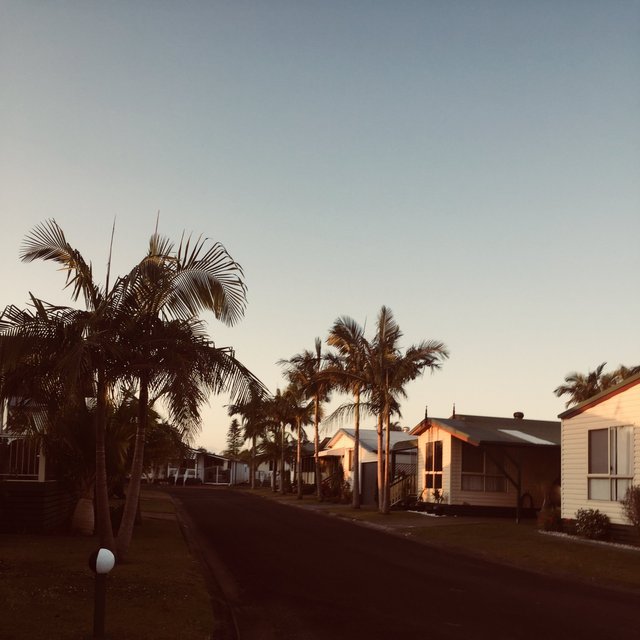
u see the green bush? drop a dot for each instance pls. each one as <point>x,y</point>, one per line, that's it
<point>631,506</point>
<point>592,524</point>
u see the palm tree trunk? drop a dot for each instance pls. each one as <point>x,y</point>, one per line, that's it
<point>299,459</point>
<point>282,458</point>
<point>103,517</point>
<point>356,454</point>
<point>274,473</point>
<point>387,465</point>
<point>125,532</point>
<point>380,463</point>
<point>316,440</point>
<point>253,462</point>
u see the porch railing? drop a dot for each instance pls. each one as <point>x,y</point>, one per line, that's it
<point>402,488</point>
<point>19,457</point>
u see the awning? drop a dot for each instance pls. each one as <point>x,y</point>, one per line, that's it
<point>338,452</point>
<point>405,445</point>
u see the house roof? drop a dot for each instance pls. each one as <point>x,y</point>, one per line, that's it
<point>369,438</point>
<point>309,448</point>
<point>479,430</point>
<point>600,397</point>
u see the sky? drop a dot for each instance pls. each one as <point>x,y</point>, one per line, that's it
<point>472,165</point>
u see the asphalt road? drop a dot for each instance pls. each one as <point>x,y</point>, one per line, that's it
<point>288,573</point>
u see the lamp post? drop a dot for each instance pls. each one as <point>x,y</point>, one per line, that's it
<point>100,562</point>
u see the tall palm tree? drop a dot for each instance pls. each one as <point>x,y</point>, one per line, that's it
<point>165,286</point>
<point>254,420</point>
<point>97,347</point>
<point>348,372</point>
<point>280,417</point>
<point>299,411</point>
<point>389,371</point>
<point>164,294</point>
<point>306,370</point>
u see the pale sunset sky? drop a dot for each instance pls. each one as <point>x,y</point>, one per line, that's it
<point>474,165</point>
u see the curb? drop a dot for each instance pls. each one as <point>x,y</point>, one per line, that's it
<point>222,588</point>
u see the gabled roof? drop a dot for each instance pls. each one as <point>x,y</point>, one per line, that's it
<point>369,438</point>
<point>600,397</point>
<point>479,430</point>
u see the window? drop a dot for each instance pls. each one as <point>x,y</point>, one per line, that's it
<point>433,465</point>
<point>480,472</point>
<point>350,459</point>
<point>610,463</point>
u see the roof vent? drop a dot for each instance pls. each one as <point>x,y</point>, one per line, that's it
<point>518,415</point>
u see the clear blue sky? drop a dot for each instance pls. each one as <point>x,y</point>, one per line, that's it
<point>474,165</point>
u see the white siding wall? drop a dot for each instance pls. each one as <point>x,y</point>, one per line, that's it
<point>539,469</point>
<point>434,434</point>
<point>347,442</point>
<point>619,410</point>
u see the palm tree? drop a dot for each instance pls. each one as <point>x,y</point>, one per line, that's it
<point>580,387</point>
<point>254,419</point>
<point>622,373</point>
<point>347,371</point>
<point>306,370</point>
<point>389,370</point>
<point>299,412</point>
<point>164,293</point>
<point>45,379</point>
<point>130,328</point>
<point>93,351</point>
<point>280,417</point>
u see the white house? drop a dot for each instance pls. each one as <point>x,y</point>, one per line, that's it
<point>340,448</point>
<point>484,461</point>
<point>601,451</point>
<point>209,468</point>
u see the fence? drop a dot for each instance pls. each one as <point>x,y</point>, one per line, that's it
<point>19,458</point>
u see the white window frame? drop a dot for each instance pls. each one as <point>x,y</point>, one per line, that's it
<point>612,486</point>
<point>432,468</point>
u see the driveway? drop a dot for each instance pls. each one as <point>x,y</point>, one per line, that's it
<point>291,573</point>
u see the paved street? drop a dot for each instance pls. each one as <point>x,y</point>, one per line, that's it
<point>293,574</point>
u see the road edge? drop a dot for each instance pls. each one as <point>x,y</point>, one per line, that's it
<point>223,591</point>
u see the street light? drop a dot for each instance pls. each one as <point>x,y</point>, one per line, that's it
<point>100,562</point>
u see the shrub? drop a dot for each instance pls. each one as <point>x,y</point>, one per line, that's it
<point>347,493</point>
<point>592,524</point>
<point>549,519</point>
<point>631,506</point>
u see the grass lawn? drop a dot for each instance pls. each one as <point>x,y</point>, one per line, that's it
<point>46,587</point>
<point>524,546</point>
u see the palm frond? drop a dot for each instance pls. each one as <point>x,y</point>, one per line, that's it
<point>48,242</point>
